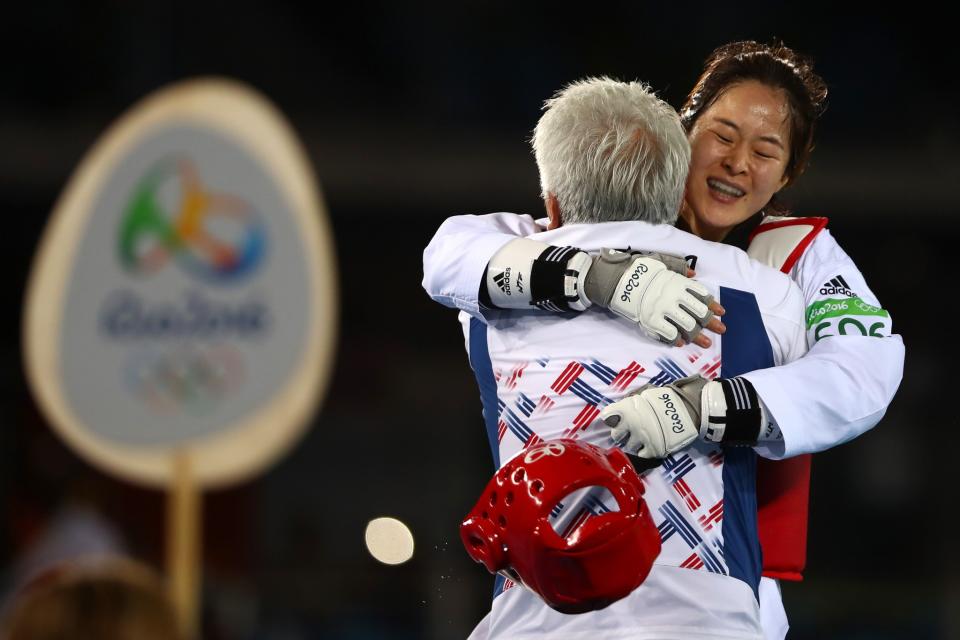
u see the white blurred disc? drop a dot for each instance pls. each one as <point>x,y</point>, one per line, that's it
<point>389,540</point>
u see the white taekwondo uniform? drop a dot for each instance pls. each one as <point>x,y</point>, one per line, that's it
<point>456,259</point>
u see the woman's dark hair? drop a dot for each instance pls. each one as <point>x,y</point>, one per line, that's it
<point>776,66</point>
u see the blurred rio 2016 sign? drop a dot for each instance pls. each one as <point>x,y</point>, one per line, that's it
<point>187,279</point>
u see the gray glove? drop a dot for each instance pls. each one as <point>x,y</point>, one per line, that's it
<point>651,290</point>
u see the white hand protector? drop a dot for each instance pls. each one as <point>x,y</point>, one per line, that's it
<point>665,304</point>
<point>654,422</point>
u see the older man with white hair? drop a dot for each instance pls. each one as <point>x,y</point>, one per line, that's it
<point>613,160</point>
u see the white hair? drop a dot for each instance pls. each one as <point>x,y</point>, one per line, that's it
<point>612,150</point>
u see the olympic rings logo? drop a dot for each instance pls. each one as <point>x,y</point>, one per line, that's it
<point>551,449</point>
<point>170,216</point>
<point>184,380</point>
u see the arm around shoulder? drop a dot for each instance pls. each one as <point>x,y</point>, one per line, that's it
<point>455,260</point>
<point>843,385</point>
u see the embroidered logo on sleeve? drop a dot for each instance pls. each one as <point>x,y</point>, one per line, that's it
<point>842,316</point>
<point>837,285</point>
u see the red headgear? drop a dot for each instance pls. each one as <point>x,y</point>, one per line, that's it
<point>600,562</point>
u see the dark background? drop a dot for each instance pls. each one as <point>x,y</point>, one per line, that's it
<point>414,113</point>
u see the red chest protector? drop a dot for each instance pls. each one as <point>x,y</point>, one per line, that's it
<point>783,486</point>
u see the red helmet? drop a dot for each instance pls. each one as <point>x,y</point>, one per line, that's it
<point>603,560</point>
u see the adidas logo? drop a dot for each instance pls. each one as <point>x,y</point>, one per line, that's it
<point>502,280</point>
<point>837,285</point>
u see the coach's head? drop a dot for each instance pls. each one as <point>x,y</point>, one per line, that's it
<point>610,150</point>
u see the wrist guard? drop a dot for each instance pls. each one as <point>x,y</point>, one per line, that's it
<point>525,272</point>
<point>732,414</point>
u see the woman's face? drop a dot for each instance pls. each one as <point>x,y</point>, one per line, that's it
<point>739,150</point>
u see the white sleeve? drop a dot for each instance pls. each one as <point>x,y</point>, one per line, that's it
<point>455,261</point>
<point>783,321</point>
<point>843,385</point>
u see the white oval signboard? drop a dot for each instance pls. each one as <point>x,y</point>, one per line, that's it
<point>183,298</point>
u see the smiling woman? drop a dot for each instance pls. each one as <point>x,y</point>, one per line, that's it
<point>750,120</point>
<point>739,158</point>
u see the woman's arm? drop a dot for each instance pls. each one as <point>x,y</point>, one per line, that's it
<point>455,261</point>
<point>479,262</point>
<point>843,385</point>
<point>838,390</point>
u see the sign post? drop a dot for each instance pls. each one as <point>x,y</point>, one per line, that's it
<point>184,535</point>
